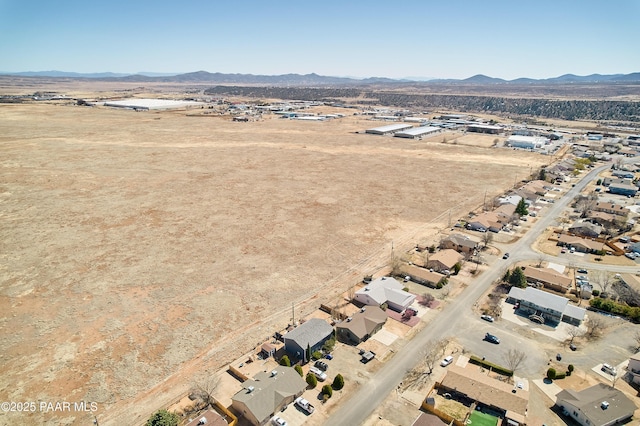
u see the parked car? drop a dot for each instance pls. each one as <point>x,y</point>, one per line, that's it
<point>487,318</point>
<point>609,369</point>
<point>305,405</point>
<point>448,360</point>
<point>505,256</point>
<point>491,338</point>
<point>278,421</point>
<point>582,271</point>
<point>322,365</point>
<point>320,375</point>
<point>328,356</point>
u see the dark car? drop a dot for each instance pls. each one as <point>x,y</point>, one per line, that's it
<point>505,256</point>
<point>491,338</point>
<point>321,365</point>
<point>582,271</point>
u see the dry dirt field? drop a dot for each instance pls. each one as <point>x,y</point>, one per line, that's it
<point>140,249</point>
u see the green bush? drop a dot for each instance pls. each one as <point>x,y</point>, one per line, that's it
<point>163,418</point>
<point>312,380</point>
<point>571,367</point>
<point>551,373</point>
<point>595,292</point>
<point>338,382</point>
<point>439,285</point>
<point>285,361</point>
<point>299,370</point>
<point>560,376</point>
<point>490,366</point>
<point>326,390</point>
<point>316,355</point>
<point>568,373</point>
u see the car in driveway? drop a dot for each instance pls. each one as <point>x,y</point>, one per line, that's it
<point>487,318</point>
<point>582,271</point>
<point>278,421</point>
<point>491,338</point>
<point>448,360</point>
<point>505,256</point>
<point>609,369</point>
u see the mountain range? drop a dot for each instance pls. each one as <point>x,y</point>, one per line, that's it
<point>315,79</point>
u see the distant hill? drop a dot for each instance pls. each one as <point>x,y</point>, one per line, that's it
<point>320,80</point>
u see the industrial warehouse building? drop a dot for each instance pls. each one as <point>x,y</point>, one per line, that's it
<point>388,130</point>
<point>418,132</point>
<point>151,104</point>
<point>525,142</point>
<point>484,128</point>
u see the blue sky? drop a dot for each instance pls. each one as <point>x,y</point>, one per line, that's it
<point>505,39</point>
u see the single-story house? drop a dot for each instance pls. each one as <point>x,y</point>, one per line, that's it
<point>586,229</point>
<point>549,278</point>
<point>385,290</point>
<point>603,218</point>
<point>551,307</point>
<point>583,245</point>
<point>495,394</point>
<point>630,280</point>
<point>267,393</point>
<point>307,337</point>
<point>625,174</point>
<point>443,260</point>
<point>600,405</point>
<point>623,189</point>
<point>487,221</point>
<point>421,275</point>
<point>612,208</point>
<point>361,325</point>
<point>609,181</point>
<point>460,243</point>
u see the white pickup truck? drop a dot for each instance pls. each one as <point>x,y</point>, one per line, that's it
<point>304,404</point>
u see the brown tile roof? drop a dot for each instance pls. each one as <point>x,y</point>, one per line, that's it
<point>480,387</point>
<point>546,275</point>
<point>363,323</point>
<point>211,419</point>
<point>421,273</point>
<point>582,242</point>
<point>448,257</point>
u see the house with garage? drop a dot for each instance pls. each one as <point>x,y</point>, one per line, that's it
<point>603,218</point>
<point>268,393</point>
<point>623,174</point>
<point>552,308</point>
<point>612,208</point>
<point>623,189</point>
<point>599,404</point>
<point>385,290</point>
<point>506,401</point>
<point>460,243</point>
<point>583,245</point>
<point>634,368</point>
<point>548,278</point>
<point>443,260</point>
<point>361,325</point>
<point>307,338</point>
<point>421,275</point>
<point>487,221</point>
<point>586,229</point>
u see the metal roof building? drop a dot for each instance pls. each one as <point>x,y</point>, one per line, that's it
<point>390,129</point>
<point>417,132</point>
<point>149,104</point>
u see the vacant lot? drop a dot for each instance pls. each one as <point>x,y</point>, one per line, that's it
<point>137,249</point>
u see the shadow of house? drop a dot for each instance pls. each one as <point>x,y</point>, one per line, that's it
<point>362,325</point>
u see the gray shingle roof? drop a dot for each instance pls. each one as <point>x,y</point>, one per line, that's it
<point>310,333</point>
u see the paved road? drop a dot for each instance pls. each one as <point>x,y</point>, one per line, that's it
<point>454,316</point>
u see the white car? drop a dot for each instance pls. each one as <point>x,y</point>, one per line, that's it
<point>487,318</point>
<point>609,369</point>
<point>448,360</point>
<point>320,375</point>
<point>278,421</point>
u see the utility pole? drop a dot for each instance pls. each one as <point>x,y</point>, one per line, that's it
<point>293,315</point>
<point>484,202</point>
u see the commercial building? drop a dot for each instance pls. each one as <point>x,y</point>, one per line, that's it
<point>151,104</point>
<point>418,132</point>
<point>388,130</point>
<point>525,142</point>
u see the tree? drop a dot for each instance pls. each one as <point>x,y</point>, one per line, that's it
<point>595,327</point>
<point>506,277</point>
<point>326,390</point>
<point>517,278</point>
<point>338,382</point>
<point>541,258</point>
<point>551,373</point>
<point>285,361</point>
<point>574,332</point>
<point>163,418</point>
<point>204,389</point>
<point>521,208</point>
<point>487,238</point>
<point>312,381</point>
<point>542,175</point>
<point>604,280</point>
<point>514,358</point>
<point>299,370</point>
<point>426,299</point>
<point>456,268</point>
